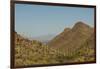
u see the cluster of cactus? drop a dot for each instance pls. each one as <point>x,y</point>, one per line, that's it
<point>32,52</point>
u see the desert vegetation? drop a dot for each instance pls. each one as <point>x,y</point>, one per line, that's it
<point>72,45</point>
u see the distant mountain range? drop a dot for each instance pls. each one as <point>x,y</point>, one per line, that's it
<point>44,38</point>
<point>76,44</point>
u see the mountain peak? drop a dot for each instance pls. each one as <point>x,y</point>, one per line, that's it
<point>66,29</point>
<point>79,22</point>
<point>80,25</point>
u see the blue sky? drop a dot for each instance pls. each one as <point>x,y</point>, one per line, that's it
<point>38,20</point>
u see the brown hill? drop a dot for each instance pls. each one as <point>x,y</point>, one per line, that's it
<point>72,39</point>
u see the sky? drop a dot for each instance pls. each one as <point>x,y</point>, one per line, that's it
<point>38,20</point>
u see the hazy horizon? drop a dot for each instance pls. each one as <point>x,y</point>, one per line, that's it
<point>39,20</point>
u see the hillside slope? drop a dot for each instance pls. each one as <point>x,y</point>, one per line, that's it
<point>86,52</point>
